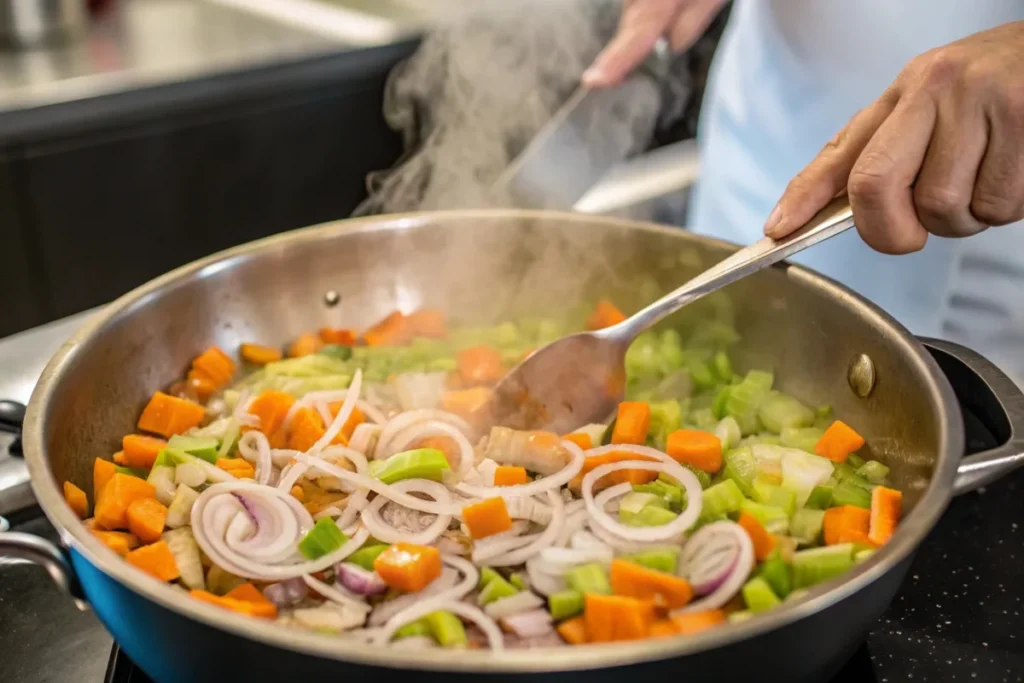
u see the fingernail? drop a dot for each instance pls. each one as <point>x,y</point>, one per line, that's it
<point>771,226</point>
<point>592,76</point>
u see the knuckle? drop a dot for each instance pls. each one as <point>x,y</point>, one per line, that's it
<point>938,201</point>
<point>995,208</point>
<point>869,176</point>
<point>942,67</point>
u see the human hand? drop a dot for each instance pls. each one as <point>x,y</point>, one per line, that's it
<point>642,23</point>
<point>941,152</point>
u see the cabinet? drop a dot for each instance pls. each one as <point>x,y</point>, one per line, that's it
<point>21,306</point>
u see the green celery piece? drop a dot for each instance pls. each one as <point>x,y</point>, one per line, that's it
<point>863,555</point>
<point>325,537</point>
<point>806,525</point>
<point>420,627</point>
<point>823,412</point>
<point>773,519</point>
<point>704,419</point>
<point>606,438</point>
<point>777,574</point>
<point>759,596</point>
<point>796,594</point>
<point>588,578</point>
<point>741,467</point>
<point>874,471</point>
<point>721,499</point>
<point>336,351</point>
<point>846,472</point>
<point>486,576</point>
<point>447,629</point>
<point>199,447</point>
<point>802,438</point>
<point>165,459</point>
<point>745,399</point>
<point>722,366</point>
<point>854,461</point>
<point>649,516</point>
<point>720,401</point>
<point>848,493</point>
<point>365,556</point>
<point>565,604</point>
<point>820,498</point>
<point>517,580</point>
<point>703,376</point>
<point>672,495</point>
<point>666,417</point>
<point>659,559</point>
<point>774,495</point>
<point>421,463</point>
<point>703,477</point>
<point>821,564</point>
<point>634,502</point>
<point>779,411</point>
<point>132,471</point>
<point>496,589</point>
<point>728,432</point>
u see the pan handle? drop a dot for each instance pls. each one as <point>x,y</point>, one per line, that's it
<point>48,556</point>
<point>993,411</point>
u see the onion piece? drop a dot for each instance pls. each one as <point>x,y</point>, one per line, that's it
<point>523,601</point>
<point>364,437</point>
<point>372,412</point>
<point>740,572</point>
<point>400,422</point>
<point>422,430</point>
<point>254,447</point>
<point>334,595</point>
<point>486,624</point>
<point>445,587</point>
<point>540,541</point>
<point>359,580</point>
<point>382,531</point>
<point>342,417</point>
<point>711,562</point>
<point>286,593</point>
<point>190,475</point>
<point>541,581</point>
<point>552,482</point>
<point>532,624</point>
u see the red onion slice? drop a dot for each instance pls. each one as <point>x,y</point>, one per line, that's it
<point>337,595</point>
<point>523,601</point>
<point>703,543</point>
<point>406,419</point>
<point>532,624</point>
<point>255,448</point>
<point>383,531</point>
<point>360,581</point>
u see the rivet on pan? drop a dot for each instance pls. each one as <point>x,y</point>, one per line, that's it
<point>331,298</point>
<point>861,375</point>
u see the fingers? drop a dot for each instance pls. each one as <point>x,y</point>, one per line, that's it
<point>827,174</point>
<point>641,25</point>
<point>691,23</point>
<point>881,181</point>
<point>998,197</point>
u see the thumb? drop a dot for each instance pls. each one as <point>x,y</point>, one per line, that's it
<point>643,22</point>
<point>691,23</point>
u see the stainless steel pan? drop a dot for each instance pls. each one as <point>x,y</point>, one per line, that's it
<point>825,344</point>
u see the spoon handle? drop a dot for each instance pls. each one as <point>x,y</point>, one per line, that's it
<point>835,218</point>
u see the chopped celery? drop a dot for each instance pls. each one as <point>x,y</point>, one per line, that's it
<point>802,438</point>
<point>325,537</point>
<point>768,458</point>
<point>745,399</point>
<point>161,478</point>
<point>703,419</point>
<point>447,629</point>
<point>649,516</point>
<point>565,604</point>
<point>820,498</point>
<point>801,472</point>
<point>336,351</point>
<point>728,432</point>
<point>874,471</point>
<point>180,510</point>
<point>633,503</point>
<point>666,417</point>
<point>722,366</point>
<point>606,438</point>
<point>660,559</point>
<point>421,463</point>
<point>200,447</point>
<point>773,495</point>
<point>779,411</point>
<point>773,519</point>
<point>777,574</point>
<point>672,495</point>
<point>797,594</point>
<point>413,628</point>
<point>496,589</point>
<point>703,477</point>
<point>854,461</point>
<point>845,472</point>
<point>719,403</point>
<point>365,556</point>
<point>486,576</point>
<point>518,580</point>
<point>588,578</point>
<point>863,555</point>
<point>759,596</point>
<point>823,412</point>
<point>703,376</point>
<point>848,493</point>
<point>806,525</point>
<point>821,564</point>
<point>131,471</point>
<point>741,468</point>
<point>721,499</point>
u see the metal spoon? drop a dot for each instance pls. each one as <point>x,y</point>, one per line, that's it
<point>579,379</point>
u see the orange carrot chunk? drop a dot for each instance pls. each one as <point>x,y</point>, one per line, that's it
<point>573,631</point>
<point>764,542</point>
<point>140,451</point>
<point>702,450</point>
<point>102,471</point>
<point>886,507</point>
<point>76,499</point>
<point>620,476</point>
<point>216,365</point>
<point>636,581</point>
<point>507,475</point>
<point>259,604</point>
<point>305,430</point>
<point>118,541</point>
<point>116,495</point>
<point>146,519</point>
<point>241,468</point>
<point>246,607</point>
<point>480,365</point>
<point>615,617</point>
<point>694,622</point>
<point>257,354</point>
<point>201,384</point>
<point>271,407</point>
<point>340,337</point>
<point>168,415</point>
<point>580,439</point>
<point>427,322</point>
<point>605,315</point>
<point>391,331</point>
<point>663,628</point>
<point>408,567</point>
<point>305,344</point>
<point>118,459</point>
<point>486,518</point>
<point>838,442</point>
<point>355,418</point>
<point>632,422</point>
<point>846,524</point>
<point>156,560</point>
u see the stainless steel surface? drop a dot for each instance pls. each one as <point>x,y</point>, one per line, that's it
<point>862,375</point>
<point>45,554</point>
<point>92,390</point>
<point>31,23</point>
<point>579,379</point>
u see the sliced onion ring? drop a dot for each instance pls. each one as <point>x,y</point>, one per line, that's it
<point>741,571</point>
<point>552,482</point>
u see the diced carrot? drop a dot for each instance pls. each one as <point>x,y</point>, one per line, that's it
<point>140,451</point>
<point>663,628</point>
<point>580,439</point>
<point>118,459</point>
<point>763,542</point>
<point>156,560</point>
<point>838,442</point>
<point>616,617</point>
<point>445,444</point>
<point>298,494</point>
<point>146,519</point>
<point>846,524</point>
<point>636,581</point>
<point>102,471</point>
<point>391,331</point>
<point>355,418</point>
<point>465,402</point>
<point>573,631</point>
<point>886,507</point>
<point>261,606</point>
<point>118,541</point>
<point>76,499</point>
<point>341,337</point>
<point>250,609</point>
<point>621,476</point>
<point>91,524</point>
<point>257,354</point>
<point>306,344</point>
<point>702,450</point>
<point>632,422</point>
<point>239,467</point>
<point>408,567</point>
<point>271,407</point>
<point>216,365</point>
<point>167,415</point>
<point>200,384</point>
<point>427,322</point>
<point>480,365</point>
<point>116,495</point>
<point>317,500</point>
<point>306,429</point>
<point>507,475</point>
<point>486,518</point>
<point>694,622</point>
<point>605,315</point>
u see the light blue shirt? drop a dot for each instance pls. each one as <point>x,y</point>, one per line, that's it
<point>788,75</point>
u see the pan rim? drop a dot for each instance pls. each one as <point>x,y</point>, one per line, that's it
<point>911,532</point>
